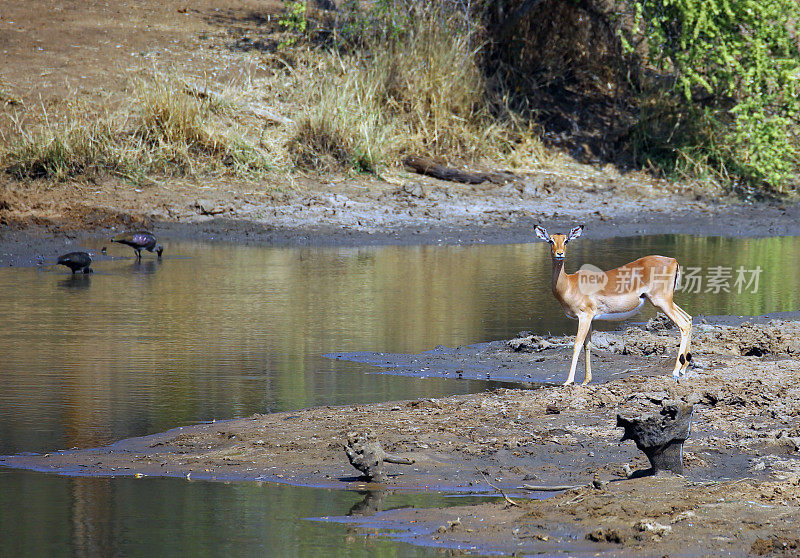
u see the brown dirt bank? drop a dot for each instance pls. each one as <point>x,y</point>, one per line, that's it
<point>90,50</point>
<point>745,427</point>
<point>44,221</point>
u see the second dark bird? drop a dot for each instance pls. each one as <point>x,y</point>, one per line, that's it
<point>140,240</point>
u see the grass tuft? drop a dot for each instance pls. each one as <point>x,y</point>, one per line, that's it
<point>161,128</point>
<point>422,92</point>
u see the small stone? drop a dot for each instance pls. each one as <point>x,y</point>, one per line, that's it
<point>646,526</point>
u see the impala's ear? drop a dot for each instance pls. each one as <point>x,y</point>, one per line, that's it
<point>541,232</point>
<point>575,233</point>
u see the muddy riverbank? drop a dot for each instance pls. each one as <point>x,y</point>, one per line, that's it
<point>46,223</point>
<point>742,459</point>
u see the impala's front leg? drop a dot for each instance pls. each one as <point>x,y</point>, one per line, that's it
<point>584,325</point>
<point>587,350</point>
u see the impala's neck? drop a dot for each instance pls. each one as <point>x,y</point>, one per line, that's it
<point>559,277</point>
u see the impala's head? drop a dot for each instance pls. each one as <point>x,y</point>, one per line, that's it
<point>558,242</point>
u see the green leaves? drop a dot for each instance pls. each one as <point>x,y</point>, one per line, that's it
<point>294,21</point>
<point>744,55</point>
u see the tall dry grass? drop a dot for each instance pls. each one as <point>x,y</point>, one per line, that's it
<point>160,127</point>
<point>67,144</point>
<point>421,92</point>
<point>352,110</point>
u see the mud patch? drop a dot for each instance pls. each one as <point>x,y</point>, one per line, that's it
<point>753,339</point>
<point>652,517</point>
<point>742,459</point>
<point>528,359</point>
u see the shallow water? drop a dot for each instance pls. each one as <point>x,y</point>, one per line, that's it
<point>217,331</point>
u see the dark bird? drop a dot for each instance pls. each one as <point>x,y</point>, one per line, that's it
<point>76,261</point>
<point>140,240</point>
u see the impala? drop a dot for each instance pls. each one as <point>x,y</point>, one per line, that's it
<point>617,294</point>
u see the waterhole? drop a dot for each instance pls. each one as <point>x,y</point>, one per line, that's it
<point>218,331</point>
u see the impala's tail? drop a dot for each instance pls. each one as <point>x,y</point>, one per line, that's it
<point>677,284</point>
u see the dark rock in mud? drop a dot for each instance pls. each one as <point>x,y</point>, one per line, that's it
<point>660,436</point>
<point>606,535</point>
<point>659,322</point>
<point>781,546</point>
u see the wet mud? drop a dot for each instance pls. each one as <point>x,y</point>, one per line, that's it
<point>380,213</point>
<point>742,459</point>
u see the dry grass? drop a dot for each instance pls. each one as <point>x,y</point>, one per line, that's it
<point>161,127</point>
<point>357,112</point>
<point>423,93</point>
<point>70,142</point>
<point>175,128</point>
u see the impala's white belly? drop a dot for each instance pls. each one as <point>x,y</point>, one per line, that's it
<point>619,316</point>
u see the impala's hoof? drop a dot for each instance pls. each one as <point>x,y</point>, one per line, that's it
<point>568,383</point>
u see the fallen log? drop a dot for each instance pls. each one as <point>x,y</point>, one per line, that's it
<point>367,455</point>
<point>429,167</point>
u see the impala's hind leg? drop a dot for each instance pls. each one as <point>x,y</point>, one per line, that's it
<point>684,323</point>
<point>685,349</point>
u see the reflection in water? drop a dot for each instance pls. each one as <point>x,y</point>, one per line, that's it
<point>50,515</point>
<point>145,267</point>
<point>91,508</point>
<point>76,281</point>
<point>373,502</point>
<point>227,331</point>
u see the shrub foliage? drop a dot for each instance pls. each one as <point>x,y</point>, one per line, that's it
<point>732,103</point>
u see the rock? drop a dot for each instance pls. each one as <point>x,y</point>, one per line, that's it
<point>659,322</point>
<point>412,189</point>
<point>535,344</point>
<point>657,529</point>
<point>208,207</point>
<point>660,435</point>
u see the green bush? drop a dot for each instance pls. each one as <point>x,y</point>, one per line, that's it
<point>732,107</point>
<point>294,21</point>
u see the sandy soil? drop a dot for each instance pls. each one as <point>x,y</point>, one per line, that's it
<point>742,478</point>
